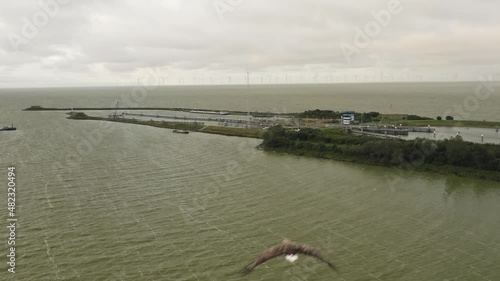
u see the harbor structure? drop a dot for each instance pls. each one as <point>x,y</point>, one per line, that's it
<point>348,117</point>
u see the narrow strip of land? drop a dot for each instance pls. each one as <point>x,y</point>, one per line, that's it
<point>189,126</point>
<point>316,118</point>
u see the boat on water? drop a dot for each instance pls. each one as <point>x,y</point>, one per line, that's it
<point>181,131</point>
<point>11,128</point>
<point>210,112</point>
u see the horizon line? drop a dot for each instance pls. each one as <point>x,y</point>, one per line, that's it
<point>240,84</point>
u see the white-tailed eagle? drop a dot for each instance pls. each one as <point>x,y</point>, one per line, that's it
<point>289,250</point>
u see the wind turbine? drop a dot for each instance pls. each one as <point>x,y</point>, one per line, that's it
<point>248,97</point>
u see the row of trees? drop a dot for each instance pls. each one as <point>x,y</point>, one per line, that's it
<point>390,152</point>
<point>416,117</point>
<point>331,114</point>
<point>449,118</point>
<point>320,114</point>
<point>368,116</point>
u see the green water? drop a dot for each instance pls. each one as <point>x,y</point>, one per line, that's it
<point>106,201</point>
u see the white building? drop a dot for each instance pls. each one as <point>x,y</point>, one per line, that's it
<point>348,117</point>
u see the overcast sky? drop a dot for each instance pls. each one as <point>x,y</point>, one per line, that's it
<point>118,42</point>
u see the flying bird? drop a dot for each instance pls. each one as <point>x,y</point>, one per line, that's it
<point>288,249</point>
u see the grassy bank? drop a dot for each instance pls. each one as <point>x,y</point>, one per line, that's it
<point>230,131</point>
<point>453,156</point>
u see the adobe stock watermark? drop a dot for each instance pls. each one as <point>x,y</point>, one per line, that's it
<point>425,148</point>
<point>364,37</point>
<point>40,19</point>
<point>222,7</point>
<point>210,188</point>
<point>471,103</point>
<point>94,138</point>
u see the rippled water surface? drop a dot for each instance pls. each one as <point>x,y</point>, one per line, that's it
<point>105,201</point>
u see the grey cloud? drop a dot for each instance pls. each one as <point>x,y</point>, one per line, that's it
<point>119,38</point>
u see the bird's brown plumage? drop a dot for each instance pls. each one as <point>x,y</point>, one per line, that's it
<point>286,248</point>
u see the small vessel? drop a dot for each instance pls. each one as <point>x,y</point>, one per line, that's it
<point>11,128</point>
<point>180,131</point>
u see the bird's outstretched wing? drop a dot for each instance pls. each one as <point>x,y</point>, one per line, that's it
<point>286,248</point>
<point>310,251</point>
<point>263,257</point>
